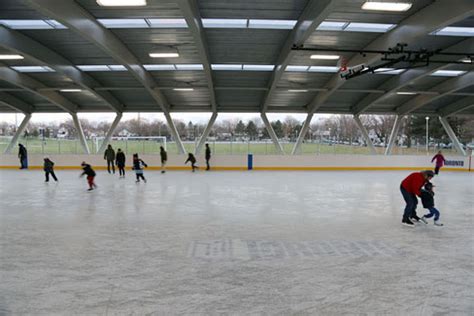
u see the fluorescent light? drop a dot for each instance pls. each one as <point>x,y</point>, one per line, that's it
<point>455,31</point>
<point>32,69</point>
<point>183,89</point>
<point>389,71</point>
<point>332,26</point>
<point>297,90</point>
<point>11,57</point>
<point>164,55</point>
<point>167,23</point>
<point>121,3</point>
<point>70,90</point>
<point>225,23</point>
<point>296,68</point>
<point>117,67</point>
<point>325,57</point>
<point>123,23</point>
<point>94,67</point>
<point>236,67</point>
<point>189,66</point>
<point>55,24</point>
<point>369,27</point>
<point>258,67</point>
<point>406,93</point>
<point>448,73</point>
<point>323,69</point>
<point>272,24</point>
<point>387,6</point>
<point>158,67</point>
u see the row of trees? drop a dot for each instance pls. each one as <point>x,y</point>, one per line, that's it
<point>336,127</point>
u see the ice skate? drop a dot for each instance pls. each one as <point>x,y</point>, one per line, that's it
<point>438,223</point>
<point>423,219</point>
<point>408,223</point>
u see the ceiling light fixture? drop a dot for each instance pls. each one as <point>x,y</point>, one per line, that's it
<point>386,6</point>
<point>183,89</point>
<point>405,93</point>
<point>121,3</point>
<point>164,55</point>
<point>325,57</point>
<point>297,90</point>
<point>11,57</point>
<point>70,90</point>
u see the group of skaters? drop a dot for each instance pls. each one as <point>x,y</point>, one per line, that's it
<point>113,159</point>
<point>417,184</point>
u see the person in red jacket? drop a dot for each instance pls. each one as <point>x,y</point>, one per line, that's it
<point>440,161</point>
<point>411,188</point>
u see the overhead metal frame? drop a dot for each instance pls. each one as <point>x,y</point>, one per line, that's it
<point>315,12</point>
<point>365,134</point>
<point>83,23</point>
<point>456,107</point>
<point>393,134</point>
<point>190,10</point>
<point>406,32</point>
<point>205,133</point>
<point>13,102</point>
<point>40,54</point>
<point>110,132</point>
<point>80,133</point>
<point>444,89</point>
<point>272,133</point>
<point>21,80</point>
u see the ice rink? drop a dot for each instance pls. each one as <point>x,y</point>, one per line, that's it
<point>305,243</point>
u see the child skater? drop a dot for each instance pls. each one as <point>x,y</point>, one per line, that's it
<point>87,170</point>
<point>191,159</point>
<point>427,198</point>
<point>120,162</point>
<point>137,166</point>
<point>48,167</point>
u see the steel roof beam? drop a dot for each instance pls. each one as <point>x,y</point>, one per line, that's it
<point>12,102</point>
<point>444,89</point>
<point>456,107</point>
<point>190,10</point>
<point>83,23</point>
<point>409,31</point>
<point>21,80</point>
<point>397,82</point>
<point>315,12</point>
<point>39,53</point>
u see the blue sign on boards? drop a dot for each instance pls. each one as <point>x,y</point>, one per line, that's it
<point>458,163</point>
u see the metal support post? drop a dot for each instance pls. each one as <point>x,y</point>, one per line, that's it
<point>206,132</point>
<point>365,134</point>
<point>110,132</point>
<point>80,133</point>
<point>302,134</point>
<point>393,134</point>
<point>454,139</point>
<point>174,133</point>
<point>18,133</point>
<point>272,134</point>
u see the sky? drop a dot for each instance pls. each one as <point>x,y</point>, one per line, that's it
<point>109,117</point>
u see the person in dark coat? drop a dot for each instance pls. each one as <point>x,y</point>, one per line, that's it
<point>208,157</point>
<point>192,160</point>
<point>109,154</point>
<point>138,165</point>
<point>410,189</point>
<point>120,161</point>
<point>23,156</point>
<point>164,159</point>
<point>427,199</point>
<point>48,168</point>
<point>87,170</point>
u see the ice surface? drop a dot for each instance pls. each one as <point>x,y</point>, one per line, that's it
<point>306,243</point>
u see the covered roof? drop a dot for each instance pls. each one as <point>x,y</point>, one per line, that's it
<point>234,56</point>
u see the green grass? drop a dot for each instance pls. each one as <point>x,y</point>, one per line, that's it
<point>55,146</point>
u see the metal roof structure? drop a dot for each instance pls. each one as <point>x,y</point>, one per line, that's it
<point>236,56</point>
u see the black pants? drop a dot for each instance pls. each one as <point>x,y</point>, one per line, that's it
<point>193,166</point>
<point>121,169</point>
<point>47,173</point>
<point>411,201</point>
<point>437,170</point>
<point>207,163</point>
<point>110,162</point>
<point>140,175</point>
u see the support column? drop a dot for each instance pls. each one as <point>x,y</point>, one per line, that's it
<point>206,132</point>
<point>454,139</point>
<point>272,134</point>
<point>80,133</point>
<point>365,134</point>
<point>302,134</point>
<point>110,132</point>
<point>393,134</point>
<point>174,133</point>
<point>18,133</point>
